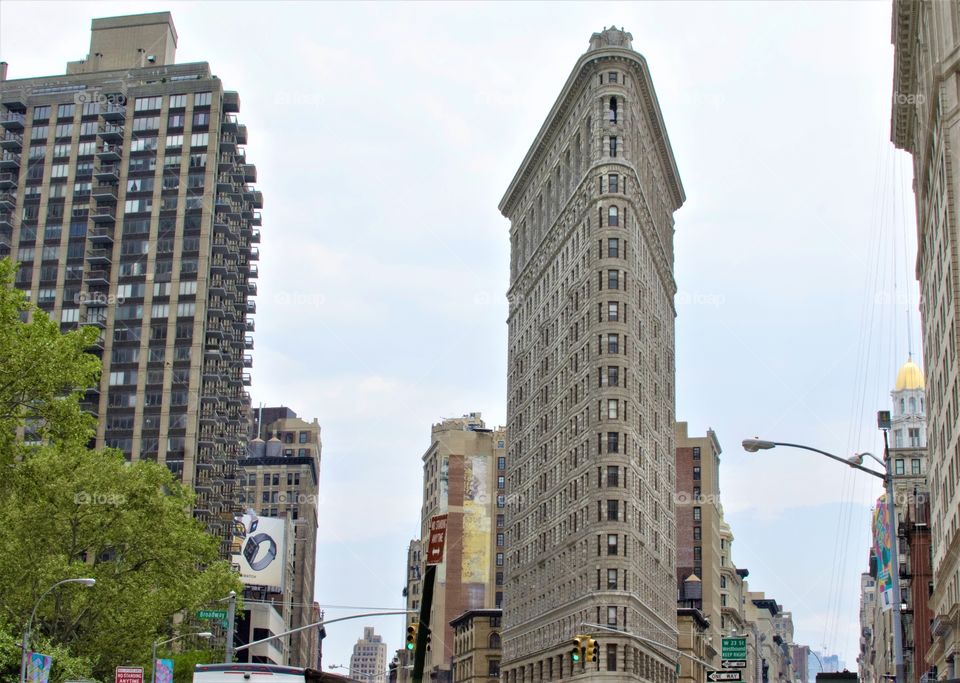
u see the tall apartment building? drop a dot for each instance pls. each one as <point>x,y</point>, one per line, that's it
<point>281,478</point>
<point>925,122</point>
<point>127,199</point>
<point>699,516</point>
<point>368,663</point>
<point>464,477</point>
<point>590,522</point>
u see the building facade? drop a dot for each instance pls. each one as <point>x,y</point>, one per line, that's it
<point>699,517</point>
<point>464,477</point>
<point>126,197</point>
<point>281,478</point>
<point>477,648</point>
<point>368,663</point>
<point>926,123</point>
<point>590,520</point>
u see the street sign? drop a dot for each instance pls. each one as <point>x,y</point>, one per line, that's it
<point>129,674</point>
<point>734,648</point>
<point>715,676</point>
<point>734,664</point>
<point>438,535</point>
<point>212,614</point>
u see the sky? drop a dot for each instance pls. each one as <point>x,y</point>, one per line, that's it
<point>384,136</point>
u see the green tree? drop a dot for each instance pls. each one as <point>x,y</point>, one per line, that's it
<point>68,511</point>
<point>43,373</point>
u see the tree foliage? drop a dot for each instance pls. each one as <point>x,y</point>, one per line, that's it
<point>67,511</point>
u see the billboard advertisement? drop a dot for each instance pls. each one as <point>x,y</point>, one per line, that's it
<point>259,547</point>
<point>476,529</point>
<point>883,549</point>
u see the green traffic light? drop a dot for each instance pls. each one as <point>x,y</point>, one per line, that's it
<point>409,646</point>
<point>576,657</point>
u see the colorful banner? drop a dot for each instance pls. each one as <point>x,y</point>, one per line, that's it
<point>883,549</point>
<point>38,667</point>
<point>163,673</point>
<point>476,529</point>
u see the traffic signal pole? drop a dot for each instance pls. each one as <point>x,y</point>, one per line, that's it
<point>420,650</point>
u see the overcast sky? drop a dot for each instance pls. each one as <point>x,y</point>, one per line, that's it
<point>385,135</point>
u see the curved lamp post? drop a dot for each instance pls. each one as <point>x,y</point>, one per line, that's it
<point>158,643</point>
<point>26,634</point>
<point>856,462</point>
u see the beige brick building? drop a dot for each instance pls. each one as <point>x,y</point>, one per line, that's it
<point>464,477</point>
<point>281,478</point>
<point>926,123</point>
<point>590,518</point>
<point>477,648</point>
<point>127,199</point>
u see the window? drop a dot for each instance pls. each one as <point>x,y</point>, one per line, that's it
<point>696,497</point>
<point>500,540</point>
<point>613,510</point>
<point>697,533</point>
<point>611,544</point>
<point>612,655</point>
<point>613,311</point>
<point>501,482</point>
<point>500,521</point>
<point>914,434</point>
<point>174,141</point>
<point>202,99</point>
<point>613,247</point>
<point>201,118</point>
<point>613,406</point>
<point>915,466</point>
<point>493,665</point>
<point>499,559</point>
<point>696,513</point>
<point>613,376</point>
<point>613,445</point>
<point>611,615</point>
<point>41,113</point>
<point>613,343</point>
<point>697,554</point>
<point>613,217</point>
<point>612,77</point>
<point>199,139</point>
<point>188,288</point>
<point>898,466</point>
<point>613,183</point>
<point>611,579</point>
<point>723,599</point>
<point>147,103</point>
<point>70,315</point>
<point>176,121</point>
<point>613,145</point>
<point>613,476</point>
<point>501,501</point>
<point>63,130</point>
<point>178,101</point>
<point>696,474</point>
<point>696,452</point>
<point>39,132</point>
<point>501,463</point>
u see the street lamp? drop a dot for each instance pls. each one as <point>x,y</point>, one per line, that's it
<point>856,462</point>
<point>26,633</point>
<point>158,643</point>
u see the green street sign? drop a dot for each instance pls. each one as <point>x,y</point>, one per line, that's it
<point>212,614</point>
<point>734,648</point>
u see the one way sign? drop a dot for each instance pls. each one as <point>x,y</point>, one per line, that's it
<point>715,676</point>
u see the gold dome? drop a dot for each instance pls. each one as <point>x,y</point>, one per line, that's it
<point>909,377</point>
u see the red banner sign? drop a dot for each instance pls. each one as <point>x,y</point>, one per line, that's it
<point>438,536</point>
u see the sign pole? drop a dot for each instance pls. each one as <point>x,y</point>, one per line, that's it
<point>231,618</point>
<point>420,650</point>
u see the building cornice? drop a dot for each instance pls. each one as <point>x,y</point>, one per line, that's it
<point>903,37</point>
<point>557,116</point>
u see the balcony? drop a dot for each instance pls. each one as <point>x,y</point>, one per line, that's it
<point>246,379</point>
<point>9,161</point>
<point>255,237</point>
<point>99,257</point>
<point>96,317</point>
<point>258,200</point>
<point>6,220</point>
<point>253,272</point>
<point>11,140</point>
<point>247,360</point>
<point>97,277</point>
<point>228,143</point>
<point>100,236</point>
<point>225,163</point>
<point>251,288</point>
<point>229,123</point>
<point>109,153</point>
<point>111,133</point>
<point>250,326</point>
<point>225,183</point>
<point>254,254</point>
<point>113,112</point>
<point>6,241</point>
<point>12,120</point>
<point>8,180</point>
<point>248,342</point>
<point>256,219</point>
<point>104,214</point>
<point>251,306</point>
<point>241,135</point>
<point>249,173</point>
<point>7,201</point>
<point>106,192</point>
<point>108,173</point>
<point>231,102</point>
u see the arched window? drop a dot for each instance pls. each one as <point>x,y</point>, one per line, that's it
<point>913,405</point>
<point>902,406</point>
<point>613,110</point>
<point>494,641</point>
<point>613,218</point>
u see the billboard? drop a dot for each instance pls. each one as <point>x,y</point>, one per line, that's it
<point>260,549</point>
<point>883,549</point>
<point>476,528</point>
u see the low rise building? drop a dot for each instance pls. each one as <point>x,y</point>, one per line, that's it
<point>477,648</point>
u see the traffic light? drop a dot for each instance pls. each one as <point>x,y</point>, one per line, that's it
<point>576,653</point>
<point>428,639</point>
<point>593,650</point>
<point>412,636</point>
